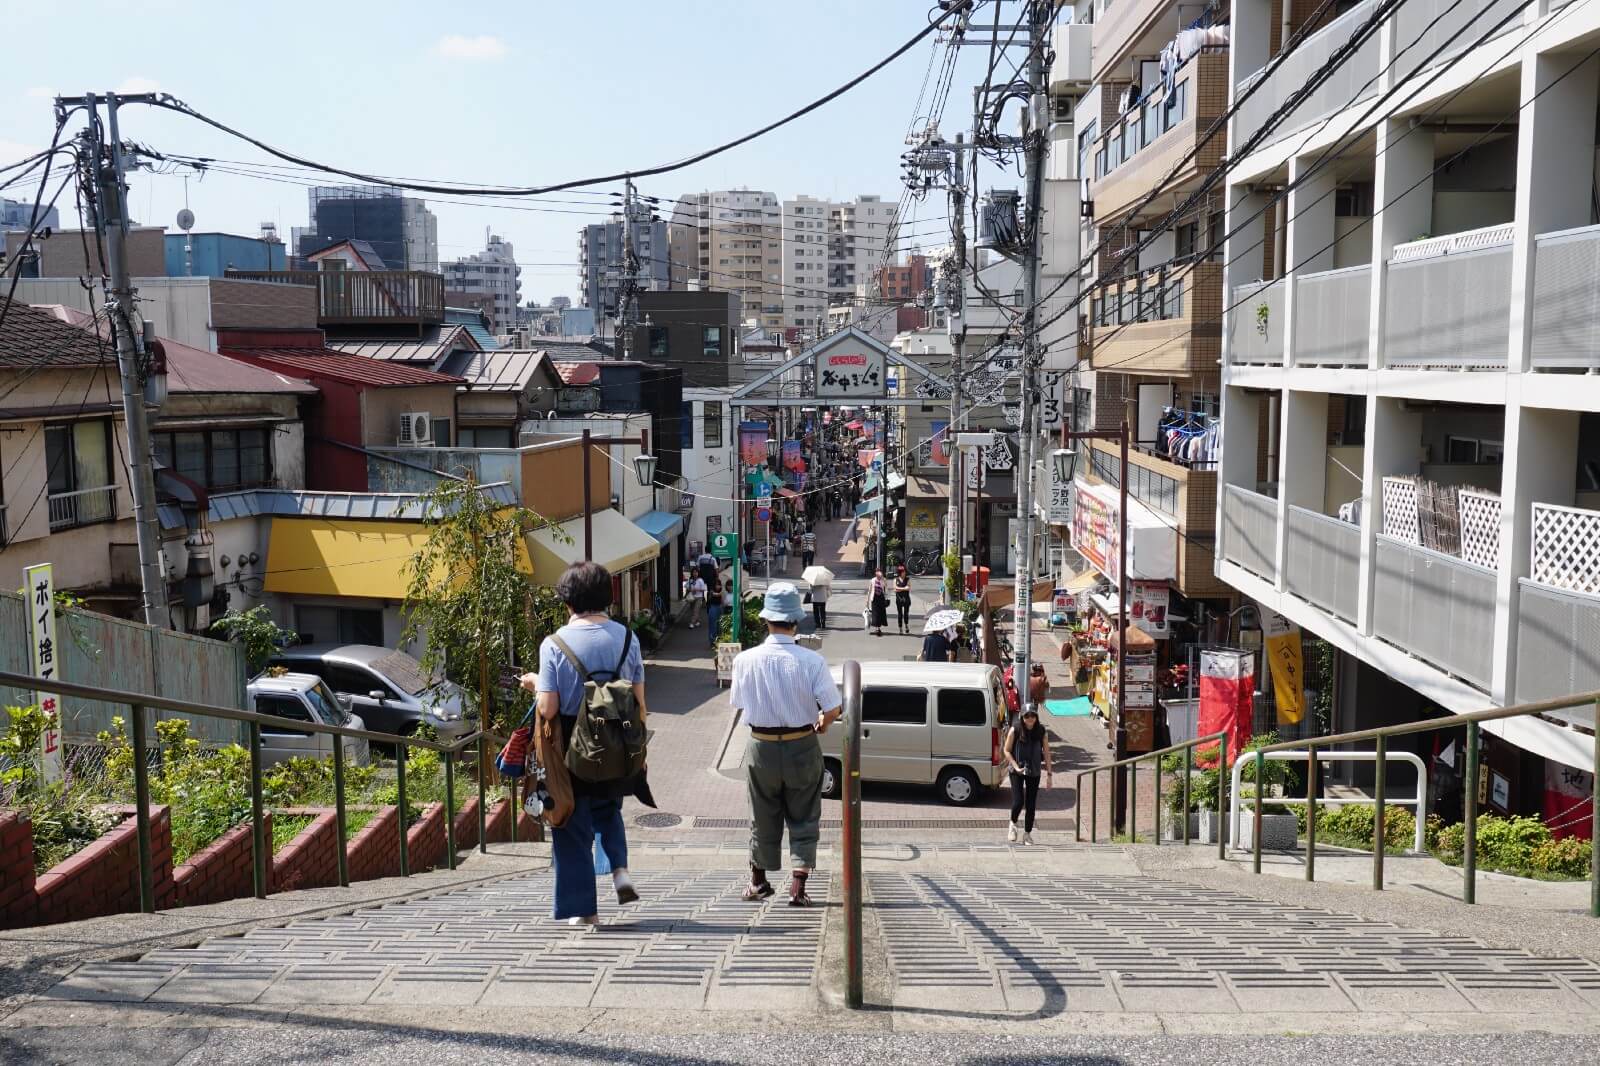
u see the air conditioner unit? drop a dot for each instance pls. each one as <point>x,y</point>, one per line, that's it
<point>416,427</point>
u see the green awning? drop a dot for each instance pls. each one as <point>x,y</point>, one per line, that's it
<point>872,506</point>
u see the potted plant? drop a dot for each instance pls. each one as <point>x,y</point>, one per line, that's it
<point>1263,317</point>
<point>1208,822</point>
<point>646,630</point>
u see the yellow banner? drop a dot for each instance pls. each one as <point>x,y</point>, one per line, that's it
<point>1287,663</point>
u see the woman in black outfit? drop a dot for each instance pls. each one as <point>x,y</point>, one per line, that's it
<point>878,603</point>
<point>1028,752</point>
<point>902,599</point>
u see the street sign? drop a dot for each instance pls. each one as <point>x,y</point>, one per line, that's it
<point>763,514</point>
<point>39,588</point>
<point>877,465</point>
<point>725,545</point>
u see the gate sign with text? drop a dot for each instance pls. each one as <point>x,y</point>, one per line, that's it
<point>850,369</point>
<point>39,583</point>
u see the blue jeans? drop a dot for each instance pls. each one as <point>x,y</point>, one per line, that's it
<point>713,616</point>
<point>572,851</point>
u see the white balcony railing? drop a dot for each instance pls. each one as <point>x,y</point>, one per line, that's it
<point>1250,531</point>
<point>1255,325</point>
<point>1566,548</point>
<point>1331,313</point>
<point>1324,564</point>
<point>1355,80</point>
<point>80,508</point>
<point>1436,607</point>
<point>1447,27</point>
<point>1566,300</point>
<point>1558,643</point>
<point>1448,301</point>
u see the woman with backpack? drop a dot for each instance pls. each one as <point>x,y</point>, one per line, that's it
<point>590,647</point>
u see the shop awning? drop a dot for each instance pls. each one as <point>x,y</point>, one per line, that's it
<point>662,525</point>
<point>872,506</point>
<point>1086,580</point>
<point>895,481</point>
<point>320,557</point>
<point>928,488</point>
<point>618,545</point>
<point>870,485</point>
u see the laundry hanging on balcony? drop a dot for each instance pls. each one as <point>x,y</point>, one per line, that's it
<point>1188,437</point>
<point>1186,45</point>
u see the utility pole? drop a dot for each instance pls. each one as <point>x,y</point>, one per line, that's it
<point>1038,25</point>
<point>955,319</point>
<point>630,274</point>
<point>111,217</point>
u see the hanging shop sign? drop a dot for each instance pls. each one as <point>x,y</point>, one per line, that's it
<point>1147,606</point>
<point>753,443</point>
<point>1058,509</point>
<point>851,369</point>
<point>1096,534</point>
<point>1052,402</point>
<point>1286,663</point>
<point>792,459</point>
<point>39,582</point>
<point>977,472</point>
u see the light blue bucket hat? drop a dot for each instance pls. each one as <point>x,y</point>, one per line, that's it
<point>782,603</point>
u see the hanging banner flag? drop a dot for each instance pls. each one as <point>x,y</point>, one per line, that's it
<point>39,583</point>
<point>753,443</point>
<point>1286,662</point>
<point>1567,795</point>
<point>866,456</point>
<point>792,460</point>
<point>939,443</point>
<point>1227,696</point>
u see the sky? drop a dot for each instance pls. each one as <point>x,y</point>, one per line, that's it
<point>496,93</point>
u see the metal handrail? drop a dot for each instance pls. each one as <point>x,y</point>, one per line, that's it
<point>850,772</point>
<point>1187,747</point>
<point>138,703</point>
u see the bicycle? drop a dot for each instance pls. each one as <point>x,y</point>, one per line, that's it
<point>922,561</point>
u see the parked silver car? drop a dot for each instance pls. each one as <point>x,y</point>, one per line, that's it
<point>387,688</point>
<point>302,698</point>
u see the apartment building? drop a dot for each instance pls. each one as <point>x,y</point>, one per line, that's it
<point>600,260</point>
<point>737,245</point>
<point>830,248</point>
<point>493,271</point>
<point>1411,404</point>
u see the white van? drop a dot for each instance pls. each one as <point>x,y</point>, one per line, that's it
<point>302,698</point>
<point>927,724</point>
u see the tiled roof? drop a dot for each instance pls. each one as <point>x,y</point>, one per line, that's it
<point>299,503</point>
<point>435,343</point>
<point>341,367</point>
<point>31,338</point>
<point>569,350</point>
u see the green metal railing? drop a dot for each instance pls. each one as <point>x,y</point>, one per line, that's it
<point>139,705</point>
<point>1220,740</point>
<point>1473,721</point>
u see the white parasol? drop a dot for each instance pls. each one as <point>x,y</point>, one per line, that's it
<point>817,575</point>
<point>941,618</point>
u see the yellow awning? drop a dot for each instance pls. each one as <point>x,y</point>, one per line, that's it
<point>618,546</point>
<point>322,557</point>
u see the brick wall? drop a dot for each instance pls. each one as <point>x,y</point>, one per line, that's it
<point>103,878</point>
<point>240,304</point>
<point>223,870</point>
<point>425,840</point>
<point>467,825</point>
<point>311,859</point>
<point>375,851</point>
<point>16,870</point>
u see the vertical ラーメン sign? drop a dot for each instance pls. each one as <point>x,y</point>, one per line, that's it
<point>39,587</point>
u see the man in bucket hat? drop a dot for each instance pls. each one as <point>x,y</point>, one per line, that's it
<point>787,697</point>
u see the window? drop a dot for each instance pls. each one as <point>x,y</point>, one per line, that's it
<point>1215,233</point>
<point>711,342</point>
<point>963,706</point>
<point>658,342</point>
<point>711,424</point>
<point>686,425</point>
<point>284,707</point>
<point>441,434</point>
<point>78,464</point>
<point>1188,234</point>
<point>342,625</point>
<point>896,706</point>
<point>218,459</point>
<point>484,437</point>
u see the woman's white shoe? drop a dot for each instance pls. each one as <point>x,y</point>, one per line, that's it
<point>1011,833</point>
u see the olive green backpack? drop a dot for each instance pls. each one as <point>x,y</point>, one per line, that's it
<point>608,738</point>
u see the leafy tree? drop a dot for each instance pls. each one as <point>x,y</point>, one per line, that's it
<point>256,630</point>
<point>478,613</point>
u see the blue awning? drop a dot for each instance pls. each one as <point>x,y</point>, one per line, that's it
<point>872,506</point>
<point>662,525</point>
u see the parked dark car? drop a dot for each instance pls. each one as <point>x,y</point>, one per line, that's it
<point>387,688</point>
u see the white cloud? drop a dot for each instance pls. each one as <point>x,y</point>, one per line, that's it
<point>138,84</point>
<point>40,92</point>
<point>11,151</point>
<point>482,47</point>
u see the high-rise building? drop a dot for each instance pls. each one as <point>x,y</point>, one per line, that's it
<point>737,246</point>
<point>399,228</point>
<point>829,249</point>
<point>600,262</point>
<point>492,272</point>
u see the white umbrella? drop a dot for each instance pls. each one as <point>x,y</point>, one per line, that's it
<point>941,618</point>
<point>817,575</point>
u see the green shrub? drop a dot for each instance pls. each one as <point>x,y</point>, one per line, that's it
<point>1567,857</point>
<point>1451,843</point>
<point>286,827</point>
<point>1508,843</point>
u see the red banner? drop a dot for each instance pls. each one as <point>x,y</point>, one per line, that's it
<point>1227,697</point>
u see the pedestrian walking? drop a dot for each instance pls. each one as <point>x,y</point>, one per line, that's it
<point>878,603</point>
<point>1038,685</point>
<point>808,548</point>
<point>713,613</point>
<point>819,604</point>
<point>783,551</point>
<point>589,644</point>
<point>1028,752</point>
<point>902,598</point>
<point>787,697</point>
<point>696,592</point>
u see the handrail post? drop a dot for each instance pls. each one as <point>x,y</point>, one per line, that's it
<point>1156,760</point>
<point>1188,758</point>
<point>141,800</point>
<point>1094,806</point>
<point>1594,824</point>
<point>258,828</point>
<point>1133,801</point>
<point>851,785</point>
<point>1077,809</point>
<point>1469,839</point>
<point>1380,751</point>
<point>1255,844</point>
<point>450,807</point>
<point>1311,811</point>
<point>483,817</point>
<point>338,811</point>
<point>401,751</point>
<point>1222,798</point>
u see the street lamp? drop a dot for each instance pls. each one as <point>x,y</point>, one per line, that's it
<point>1065,462</point>
<point>644,468</point>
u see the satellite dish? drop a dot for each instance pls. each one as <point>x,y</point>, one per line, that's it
<point>186,220</point>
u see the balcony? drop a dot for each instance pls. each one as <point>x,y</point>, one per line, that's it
<point>1152,144</point>
<point>1163,321</point>
<point>1566,300</point>
<point>1255,328</point>
<point>1558,643</point>
<point>365,298</point>
<point>83,507</point>
<point>1128,27</point>
<point>1436,607</point>
<point>1186,492</point>
<point>1332,310</point>
<point>1324,564</point>
<point>1445,27</point>
<point>1448,301</point>
<point>1250,531</point>
<point>1352,82</point>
